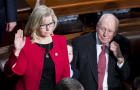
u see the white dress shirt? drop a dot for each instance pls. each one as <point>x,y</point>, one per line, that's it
<point>71,71</point>
<point>98,46</point>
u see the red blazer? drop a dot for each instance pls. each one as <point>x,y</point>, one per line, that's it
<point>29,63</point>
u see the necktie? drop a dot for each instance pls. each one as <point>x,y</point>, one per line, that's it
<point>101,68</point>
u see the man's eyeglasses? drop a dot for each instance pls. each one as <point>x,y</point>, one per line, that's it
<point>103,29</point>
<point>43,26</point>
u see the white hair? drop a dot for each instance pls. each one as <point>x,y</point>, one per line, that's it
<point>110,15</point>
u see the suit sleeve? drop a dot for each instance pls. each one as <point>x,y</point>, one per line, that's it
<point>74,63</point>
<point>20,65</point>
<point>16,65</point>
<point>125,49</point>
<point>11,11</point>
<point>125,71</point>
<point>7,68</point>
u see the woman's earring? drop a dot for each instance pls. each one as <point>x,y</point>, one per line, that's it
<point>51,34</point>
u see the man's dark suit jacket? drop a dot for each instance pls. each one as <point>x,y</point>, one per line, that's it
<point>8,13</point>
<point>85,60</point>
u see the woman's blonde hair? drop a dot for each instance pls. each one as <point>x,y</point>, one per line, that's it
<point>35,20</point>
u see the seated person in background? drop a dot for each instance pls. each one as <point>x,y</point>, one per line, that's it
<point>137,83</point>
<point>70,50</point>
<point>69,84</point>
<point>70,55</point>
<point>41,58</point>
<point>101,56</point>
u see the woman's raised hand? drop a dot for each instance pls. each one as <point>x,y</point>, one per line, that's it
<point>19,41</point>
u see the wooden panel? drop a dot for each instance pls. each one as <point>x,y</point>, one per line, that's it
<point>23,10</point>
<point>22,6</point>
<point>126,27</point>
<point>71,7</point>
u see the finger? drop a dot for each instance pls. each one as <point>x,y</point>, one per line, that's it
<point>112,46</point>
<point>24,39</point>
<point>112,49</point>
<point>16,36</point>
<point>114,43</point>
<point>18,33</point>
<point>7,26</point>
<point>11,26</point>
<point>21,33</point>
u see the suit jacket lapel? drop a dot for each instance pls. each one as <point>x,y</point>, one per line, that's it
<point>110,66</point>
<point>92,56</point>
<point>109,69</point>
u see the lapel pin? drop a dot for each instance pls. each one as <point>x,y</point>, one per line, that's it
<point>56,54</point>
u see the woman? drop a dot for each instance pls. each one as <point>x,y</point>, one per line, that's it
<point>40,60</point>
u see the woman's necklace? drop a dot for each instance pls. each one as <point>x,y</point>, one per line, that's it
<point>48,47</point>
<point>47,50</point>
<point>47,55</point>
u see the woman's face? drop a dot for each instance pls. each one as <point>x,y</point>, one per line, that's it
<point>47,27</point>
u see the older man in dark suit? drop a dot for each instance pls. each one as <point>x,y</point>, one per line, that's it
<point>8,16</point>
<point>101,56</point>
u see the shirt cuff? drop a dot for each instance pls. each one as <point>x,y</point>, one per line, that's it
<point>71,72</point>
<point>120,65</point>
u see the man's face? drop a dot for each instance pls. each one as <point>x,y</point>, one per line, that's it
<point>106,30</point>
<point>70,53</point>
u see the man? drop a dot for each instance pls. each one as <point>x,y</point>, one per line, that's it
<point>137,83</point>
<point>8,19</point>
<point>101,56</point>
<point>69,84</point>
<point>8,16</point>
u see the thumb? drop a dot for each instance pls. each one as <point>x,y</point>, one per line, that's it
<point>24,39</point>
<point>11,27</point>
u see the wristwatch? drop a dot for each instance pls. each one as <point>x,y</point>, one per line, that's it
<point>120,60</point>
